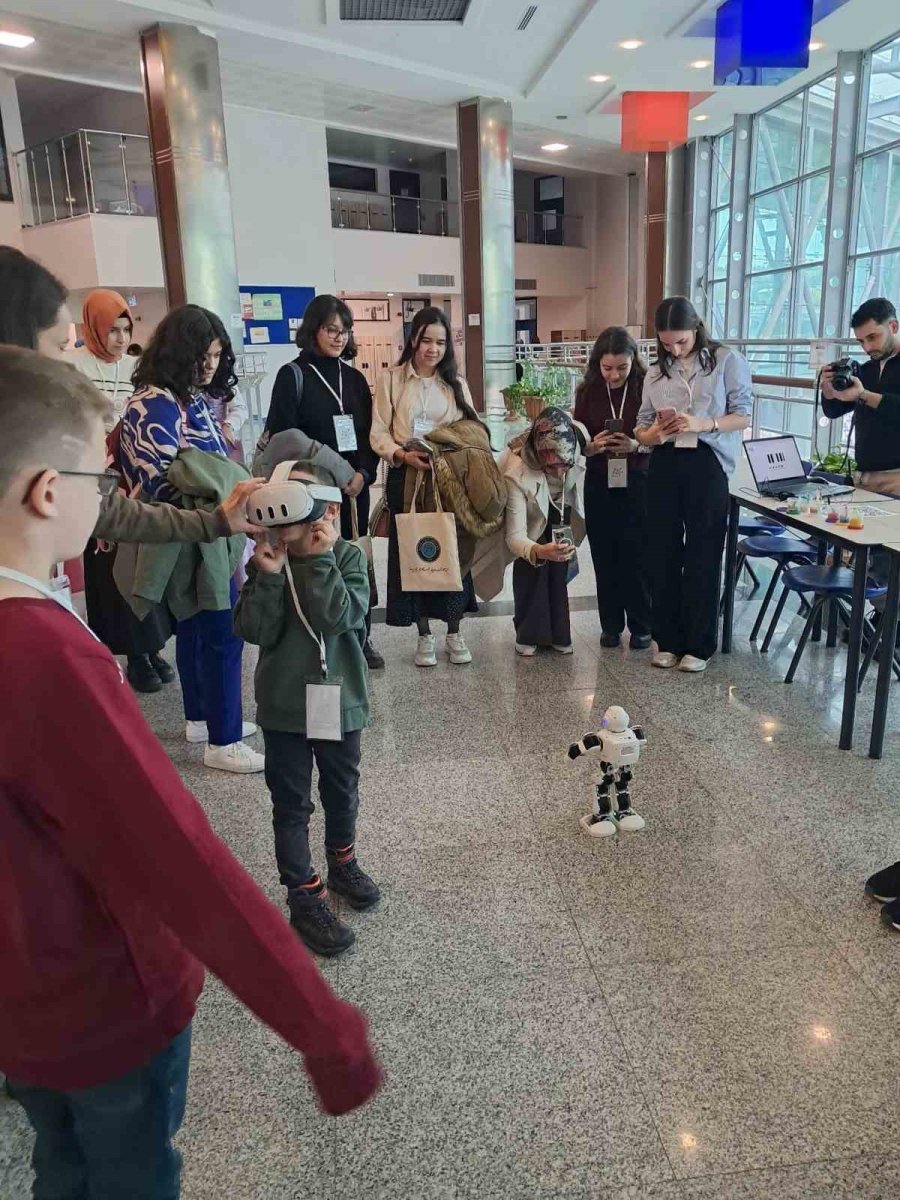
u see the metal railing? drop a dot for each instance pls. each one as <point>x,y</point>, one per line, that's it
<point>784,385</point>
<point>548,228</point>
<point>394,214</point>
<point>88,171</point>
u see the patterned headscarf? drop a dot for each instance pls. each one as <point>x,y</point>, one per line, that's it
<point>102,308</point>
<point>553,435</point>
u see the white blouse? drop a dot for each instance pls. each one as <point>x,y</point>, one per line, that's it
<point>112,379</point>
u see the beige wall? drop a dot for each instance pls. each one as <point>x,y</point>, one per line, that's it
<point>556,313</point>
<point>10,212</point>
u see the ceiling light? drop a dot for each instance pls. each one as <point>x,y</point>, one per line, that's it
<point>553,147</point>
<point>17,40</point>
<point>701,117</point>
<point>599,78</point>
<point>701,64</point>
<point>389,295</point>
<point>631,44</point>
<point>814,46</point>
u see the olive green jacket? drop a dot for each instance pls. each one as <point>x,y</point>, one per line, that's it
<point>125,520</point>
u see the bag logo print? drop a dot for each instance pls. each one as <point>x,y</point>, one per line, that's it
<point>428,549</point>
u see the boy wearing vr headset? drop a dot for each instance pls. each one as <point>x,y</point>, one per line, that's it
<point>304,605</point>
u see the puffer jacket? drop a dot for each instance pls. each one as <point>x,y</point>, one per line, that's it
<point>469,481</point>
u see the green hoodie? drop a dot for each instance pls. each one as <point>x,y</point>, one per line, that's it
<point>333,590</point>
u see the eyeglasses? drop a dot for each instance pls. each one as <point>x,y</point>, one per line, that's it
<point>336,331</point>
<point>107,481</point>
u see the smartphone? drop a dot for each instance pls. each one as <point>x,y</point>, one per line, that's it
<point>563,536</point>
<point>663,415</point>
<point>614,426</point>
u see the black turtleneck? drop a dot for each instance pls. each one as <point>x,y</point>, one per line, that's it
<point>314,412</point>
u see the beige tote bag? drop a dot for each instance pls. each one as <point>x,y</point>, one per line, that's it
<point>426,541</point>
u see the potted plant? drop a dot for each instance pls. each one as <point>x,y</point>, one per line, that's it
<point>537,390</point>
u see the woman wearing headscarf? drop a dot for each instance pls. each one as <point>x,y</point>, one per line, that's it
<point>544,473</point>
<point>104,358</point>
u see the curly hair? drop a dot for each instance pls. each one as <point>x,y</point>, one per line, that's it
<point>30,298</point>
<point>173,357</point>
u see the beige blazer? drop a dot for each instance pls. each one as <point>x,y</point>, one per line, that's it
<point>398,399</point>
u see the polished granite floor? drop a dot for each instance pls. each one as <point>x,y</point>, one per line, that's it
<point>707,1009</point>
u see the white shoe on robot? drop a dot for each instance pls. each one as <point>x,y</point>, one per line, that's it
<point>604,828</point>
<point>693,664</point>
<point>629,821</point>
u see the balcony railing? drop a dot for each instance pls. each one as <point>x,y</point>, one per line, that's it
<point>394,214</point>
<point>548,228</point>
<point>88,171</point>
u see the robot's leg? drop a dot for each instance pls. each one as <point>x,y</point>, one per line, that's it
<point>628,818</point>
<point>602,821</point>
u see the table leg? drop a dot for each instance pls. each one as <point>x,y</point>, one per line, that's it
<point>888,638</point>
<point>731,557</point>
<point>831,639</point>
<point>857,612</point>
<point>821,555</point>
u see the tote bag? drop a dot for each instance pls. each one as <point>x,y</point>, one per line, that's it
<point>429,554</point>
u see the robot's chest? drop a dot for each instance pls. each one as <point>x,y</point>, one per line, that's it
<point>621,749</point>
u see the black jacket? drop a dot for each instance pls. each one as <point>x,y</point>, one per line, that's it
<point>877,442</point>
<point>315,412</point>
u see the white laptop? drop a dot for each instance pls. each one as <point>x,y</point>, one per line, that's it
<point>779,472</point>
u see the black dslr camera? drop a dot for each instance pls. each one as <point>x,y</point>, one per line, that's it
<point>845,370</point>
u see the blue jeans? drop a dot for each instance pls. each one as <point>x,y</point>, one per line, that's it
<point>112,1141</point>
<point>208,657</point>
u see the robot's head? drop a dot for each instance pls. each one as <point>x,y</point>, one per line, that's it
<point>615,719</point>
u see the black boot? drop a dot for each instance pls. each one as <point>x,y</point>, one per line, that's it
<point>163,669</point>
<point>373,658</point>
<point>318,927</point>
<point>142,675</point>
<point>348,879</point>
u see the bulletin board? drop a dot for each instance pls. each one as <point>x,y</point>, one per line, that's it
<point>272,315</point>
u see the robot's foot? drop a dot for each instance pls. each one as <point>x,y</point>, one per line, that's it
<point>599,827</point>
<point>629,821</point>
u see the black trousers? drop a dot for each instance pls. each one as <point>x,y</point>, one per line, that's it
<point>687,510</point>
<point>616,521</point>
<point>289,764</point>
<point>541,595</point>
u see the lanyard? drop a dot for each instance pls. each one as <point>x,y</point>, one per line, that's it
<point>339,398</point>
<point>29,581</point>
<point>612,407</point>
<point>316,637</point>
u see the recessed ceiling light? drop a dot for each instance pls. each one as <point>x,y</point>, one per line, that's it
<point>17,40</point>
<point>599,78</point>
<point>814,46</point>
<point>390,295</point>
<point>631,44</point>
<point>701,64</point>
<point>701,117</point>
<point>553,147</point>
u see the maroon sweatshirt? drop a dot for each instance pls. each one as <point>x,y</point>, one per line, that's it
<point>114,889</point>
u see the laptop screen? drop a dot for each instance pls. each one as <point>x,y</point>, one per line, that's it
<point>773,460</point>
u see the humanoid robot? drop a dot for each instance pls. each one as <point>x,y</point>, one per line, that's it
<point>619,747</point>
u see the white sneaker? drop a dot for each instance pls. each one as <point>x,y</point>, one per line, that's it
<point>664,659</point>
<point>526,651</point>
<point>197,731</point>
<point>604,828</point>
<point>690,663</point>
<point>630,822</point>
<point>426,655</point>
<point>570,649</point>
<point>237,758</point>
<point>459,652</point>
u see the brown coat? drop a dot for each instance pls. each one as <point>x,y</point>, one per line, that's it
<point>469,482</point>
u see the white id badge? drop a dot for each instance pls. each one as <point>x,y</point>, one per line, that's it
<point>686,441</point>
<point>345,432</point>
<point>422,427</point>
<point>617,472</point>
<point>323,712</point>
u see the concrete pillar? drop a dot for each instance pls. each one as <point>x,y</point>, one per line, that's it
<point>488,265</point>
<point>190,168</point>
<point>655,175</point>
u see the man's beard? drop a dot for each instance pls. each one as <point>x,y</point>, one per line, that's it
<point>888,350</point>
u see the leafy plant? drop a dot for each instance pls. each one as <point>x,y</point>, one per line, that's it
<point>550,384</point>
<point>835,462</point>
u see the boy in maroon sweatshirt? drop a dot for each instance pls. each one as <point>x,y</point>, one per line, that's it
<point>113,887</point>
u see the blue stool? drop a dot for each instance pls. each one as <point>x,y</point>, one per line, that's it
<point>784,550</point>
<point>753,527</point>
<point>829,585</point>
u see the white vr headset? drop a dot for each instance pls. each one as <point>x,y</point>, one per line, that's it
<point>286,501</point>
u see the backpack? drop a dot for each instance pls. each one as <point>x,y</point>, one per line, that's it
<point>265,436</point>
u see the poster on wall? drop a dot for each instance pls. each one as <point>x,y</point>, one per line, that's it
<point>272,315</point>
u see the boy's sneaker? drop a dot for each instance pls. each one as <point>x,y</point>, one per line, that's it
<point>890,914</point>
<point>630,821</point>
<point>197,731</point>
<point>459,652</point>
<point>319,929</point>
<point>374,660</point>
<point>349,880</point>
<point>237,758</point>
<point>426,654</point>
<point>884,885</point>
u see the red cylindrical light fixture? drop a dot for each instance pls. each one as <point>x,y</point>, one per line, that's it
<point>654,120</point>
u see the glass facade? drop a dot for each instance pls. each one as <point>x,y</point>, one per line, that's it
<point>719,230</point>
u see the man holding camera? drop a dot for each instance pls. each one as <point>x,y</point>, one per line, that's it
<point>872,393</point>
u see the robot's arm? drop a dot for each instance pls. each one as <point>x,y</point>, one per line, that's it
<point>589,744</point>
<point>638,731</point>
